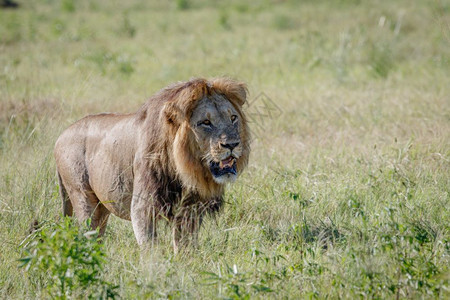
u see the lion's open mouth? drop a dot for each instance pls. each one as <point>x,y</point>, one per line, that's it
<point>225,166</point>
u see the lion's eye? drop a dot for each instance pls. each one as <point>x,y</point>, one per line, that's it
<point>233,118</point>
<point>204,122</point>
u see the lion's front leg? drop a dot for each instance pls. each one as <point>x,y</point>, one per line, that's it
<point>147,203</point>
<point>144,214</point>
<point>186,225</point>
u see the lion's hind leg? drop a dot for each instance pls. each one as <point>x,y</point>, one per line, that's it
<point>85,205</point>
<point>66,204</point>
<point>100,218</point>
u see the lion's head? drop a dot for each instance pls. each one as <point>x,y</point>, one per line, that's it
<point>211,142</point>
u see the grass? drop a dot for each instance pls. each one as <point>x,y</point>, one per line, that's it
<point>347,192</point>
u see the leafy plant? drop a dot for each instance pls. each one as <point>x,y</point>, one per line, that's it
<point>224,20</point>
<point>127,28</point>
<point>182,4</point>
<point>68,6</point>
<point>282,22</point>
<point>381,61</point>
<point>68,260</point>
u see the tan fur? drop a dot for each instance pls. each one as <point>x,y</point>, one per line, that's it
<point>152,163</point>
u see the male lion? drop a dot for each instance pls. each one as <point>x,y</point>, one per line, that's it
<point>170,159</point>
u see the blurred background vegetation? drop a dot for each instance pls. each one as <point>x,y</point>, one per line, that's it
<point>347,192</point>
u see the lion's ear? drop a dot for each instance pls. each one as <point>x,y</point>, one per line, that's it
<point>172,113</point>
<point>234,90</point>
<point>182,99</point>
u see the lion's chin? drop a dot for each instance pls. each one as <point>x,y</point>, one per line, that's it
<point>224,171</point>
<point>224,179</point>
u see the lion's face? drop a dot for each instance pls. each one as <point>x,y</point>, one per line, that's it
<point>217,125</point>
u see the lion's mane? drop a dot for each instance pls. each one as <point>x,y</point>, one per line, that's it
<point>172,144</point>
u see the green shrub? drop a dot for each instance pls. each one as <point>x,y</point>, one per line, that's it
<point>68,5</point>
<point>282,22</point>
<point>182,4</point>
<point>127,28</point>
<point>67,260</point>
<point>224,20</point>
<point>381,61</point>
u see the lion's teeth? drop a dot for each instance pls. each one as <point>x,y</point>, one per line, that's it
<point>227,163</point>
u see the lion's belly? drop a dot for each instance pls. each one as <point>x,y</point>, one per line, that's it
<point>120,208</point>
<point>114,190</point>
<point>113,186</point>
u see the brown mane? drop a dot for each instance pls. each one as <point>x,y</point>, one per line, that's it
<point>175,145</point>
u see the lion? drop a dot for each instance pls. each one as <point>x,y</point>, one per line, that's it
<point>169,160</point>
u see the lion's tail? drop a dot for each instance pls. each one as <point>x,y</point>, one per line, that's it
<point>66,204</point>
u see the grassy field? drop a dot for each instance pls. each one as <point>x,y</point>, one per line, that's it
<point>347,194</point>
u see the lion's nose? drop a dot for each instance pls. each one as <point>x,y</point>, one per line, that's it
<point>230,146</point>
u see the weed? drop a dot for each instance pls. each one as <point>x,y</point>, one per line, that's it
<point>234,284</point>
<point>10,29</point>
<point>182,4</point>
<point>242,7</point>
<point>381,62</point>
<point>282,22</point>
<point>125,64</point>
<point>224,20</point>
<point>71,258</point>
<point>127,28</point>
<point>68,6</point>
<point>108,62</point>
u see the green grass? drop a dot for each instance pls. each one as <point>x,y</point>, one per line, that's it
<point>347,194</point>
